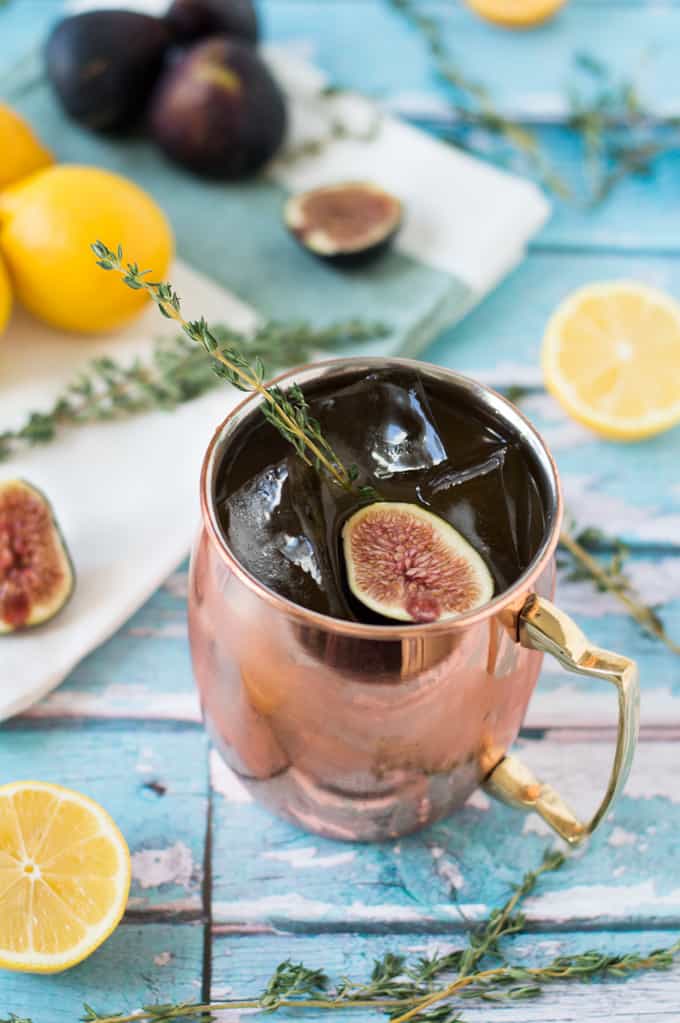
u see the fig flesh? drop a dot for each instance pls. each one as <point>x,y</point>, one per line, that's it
<point>218,111</point>
<point>103,65</point>
<point>346,223</point>
<point>190,20</point>
<point>410,565</point>
<point>36,574</point>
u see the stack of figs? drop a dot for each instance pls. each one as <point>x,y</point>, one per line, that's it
<point>192,78</point>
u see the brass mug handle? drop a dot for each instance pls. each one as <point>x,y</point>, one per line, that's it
<point>544,627</point>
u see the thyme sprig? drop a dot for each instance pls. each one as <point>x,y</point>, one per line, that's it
<point>176,372</point>
<point>472,104</point>
<point>406,989</point>
<point>619,134</point>
<point>501,923</point>
<point>287,411</point>
<point>613,579</point>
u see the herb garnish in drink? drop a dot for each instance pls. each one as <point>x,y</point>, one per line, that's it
<point>288,412</point>
<point>454,512</point>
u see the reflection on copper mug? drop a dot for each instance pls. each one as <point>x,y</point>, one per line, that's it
<point>368,732</point>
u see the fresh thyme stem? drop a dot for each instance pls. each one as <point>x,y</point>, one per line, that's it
<point>642,614</point>
<point>500,923</point>
<point>176,372</point>
<point>471,101</point>
<point>288,411</point>
<point>195,1009</point>
<point>620,136</point>
<point>403,989</point>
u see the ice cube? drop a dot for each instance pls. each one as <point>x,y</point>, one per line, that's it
<point>494,504</point>
<point>384,426</point>
<point>276,528</point>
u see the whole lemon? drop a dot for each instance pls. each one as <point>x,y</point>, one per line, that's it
<point>47,224</point>
<point>5,297</point>
<point>22,152</point>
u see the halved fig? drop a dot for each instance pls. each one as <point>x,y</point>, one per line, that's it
<point>346,223</point>
<point>36,574</point>
<point>408,564</point>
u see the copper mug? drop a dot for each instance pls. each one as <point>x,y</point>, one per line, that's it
<point>369,732</point>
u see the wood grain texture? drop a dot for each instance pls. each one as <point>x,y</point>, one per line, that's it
<point>366,45</point>
<point>138,965</point>
<point>265,871</point>
<point>142,673</point>
<point>369,46</point>
<point>154,784</point>
<point>243,964</point>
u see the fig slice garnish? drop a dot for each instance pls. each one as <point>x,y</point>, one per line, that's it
<point>36,574</point>
<point>408,564</point>
<point>346,223</point>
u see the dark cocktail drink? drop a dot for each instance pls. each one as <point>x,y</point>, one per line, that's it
<point>414,442</point>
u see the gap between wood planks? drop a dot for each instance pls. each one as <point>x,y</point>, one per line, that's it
<point>207,900</point>
<point>428,925</point>
<point>108,722</point>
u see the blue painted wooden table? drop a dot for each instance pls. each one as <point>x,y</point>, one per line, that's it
<point>222,891</point>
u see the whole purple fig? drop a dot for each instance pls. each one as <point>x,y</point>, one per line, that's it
<point>103,65</point>
<point>218,111</point>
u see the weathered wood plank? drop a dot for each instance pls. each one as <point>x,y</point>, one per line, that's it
<point>527,75</point>
<point>242,966</point>
<point>267,872</point>
<point>627,489</point>
<point>138,965</point>
<point>154,783</point>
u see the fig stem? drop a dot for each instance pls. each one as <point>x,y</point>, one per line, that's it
<point>287,411</point>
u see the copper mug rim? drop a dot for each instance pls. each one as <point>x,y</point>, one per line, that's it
<point>492,399</point>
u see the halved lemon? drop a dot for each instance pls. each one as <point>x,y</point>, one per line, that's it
<point>611,357</point>
<point>516,13</point>
<point>64,877</point>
